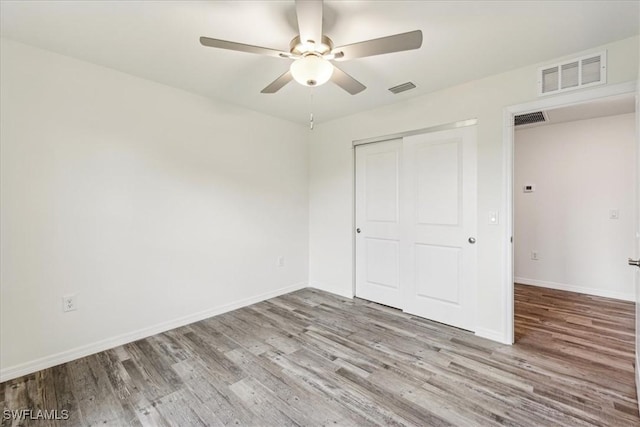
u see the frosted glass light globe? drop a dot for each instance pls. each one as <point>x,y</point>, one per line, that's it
<point>311,70</point>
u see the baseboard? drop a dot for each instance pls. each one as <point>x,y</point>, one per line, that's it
<point>638,377</point>
<point>579,289</point>
<point>492,335</point>
<point>106,344</point>
<point>340,291</point>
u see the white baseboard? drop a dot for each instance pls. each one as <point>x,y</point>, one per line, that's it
<point>580,289</point>
<point>638,377</point>
<point>340,291</point>
<point>493,335</point>
<point>106,344</point>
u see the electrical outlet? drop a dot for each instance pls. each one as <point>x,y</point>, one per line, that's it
<point>280,261</point>
<point>69,303</point>
<point>534,255</point>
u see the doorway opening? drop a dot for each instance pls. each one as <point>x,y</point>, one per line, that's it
<point>574,174</point>
<point>586,100</point>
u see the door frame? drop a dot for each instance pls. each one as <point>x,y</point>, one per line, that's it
<point>564,100</point>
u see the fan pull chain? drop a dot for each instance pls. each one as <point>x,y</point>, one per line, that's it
<point>311,112</point>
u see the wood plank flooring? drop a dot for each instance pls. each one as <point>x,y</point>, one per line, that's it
<point>313,359</point>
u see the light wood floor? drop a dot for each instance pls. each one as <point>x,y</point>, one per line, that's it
<point>310,358</point>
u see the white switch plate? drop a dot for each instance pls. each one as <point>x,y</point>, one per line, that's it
<point>614,214</point>
<point>280,261</point>
<point>534,255</point>
<point>494,218</point>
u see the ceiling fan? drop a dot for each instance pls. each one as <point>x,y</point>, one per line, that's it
<point>312,51</point>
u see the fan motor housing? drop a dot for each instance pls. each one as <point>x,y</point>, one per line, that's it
<point>297,47</point>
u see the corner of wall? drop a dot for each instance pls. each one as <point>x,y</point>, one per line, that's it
<point>492,335</point>
<point>336,290</point>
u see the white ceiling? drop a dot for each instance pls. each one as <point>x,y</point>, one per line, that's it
<point>611,106</point>
<point>463,41</point>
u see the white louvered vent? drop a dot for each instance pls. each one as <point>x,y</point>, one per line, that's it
<point>589,70</point>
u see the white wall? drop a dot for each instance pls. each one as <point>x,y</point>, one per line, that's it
<point>156,206</point>
<point>581,170</point>
<point>331,174</point>
<point>637,247</point>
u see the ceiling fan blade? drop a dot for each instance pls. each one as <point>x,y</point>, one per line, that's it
<point>278,83</point>
<point>389,44</point>
<point>346,82</point>
<point>240,47</point>
<point>309,14</point>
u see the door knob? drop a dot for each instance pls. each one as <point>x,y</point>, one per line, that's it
<point>472,240</point>
<point>635,262</point>
<point>357,230</point>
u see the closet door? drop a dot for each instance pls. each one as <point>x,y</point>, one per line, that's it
<point>378,179</point>
<point>439,226</point>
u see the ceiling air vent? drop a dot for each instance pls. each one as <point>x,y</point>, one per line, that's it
<point>402,88</point>
<point>529,118</point>
<point>588,70</point>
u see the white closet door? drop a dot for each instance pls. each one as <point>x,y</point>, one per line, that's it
<point>439,219</point>
<point>378,169</point>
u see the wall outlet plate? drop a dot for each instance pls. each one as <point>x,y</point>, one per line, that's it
<point>70,302</point>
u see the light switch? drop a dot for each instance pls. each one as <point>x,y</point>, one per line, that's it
<point>614,214</point>
<point>494,219</point>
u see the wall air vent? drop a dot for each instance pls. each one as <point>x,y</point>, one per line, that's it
<point>585,71</point>
<point>402,88</point>
<point>529,118</point>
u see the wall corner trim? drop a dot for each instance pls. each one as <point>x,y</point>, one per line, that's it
<point>331,289</point>
<point>492,335</point>
<point>32,366</point>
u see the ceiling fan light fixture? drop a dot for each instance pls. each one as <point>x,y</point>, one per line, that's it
<point>311,51</point>
<point>311,70</point>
